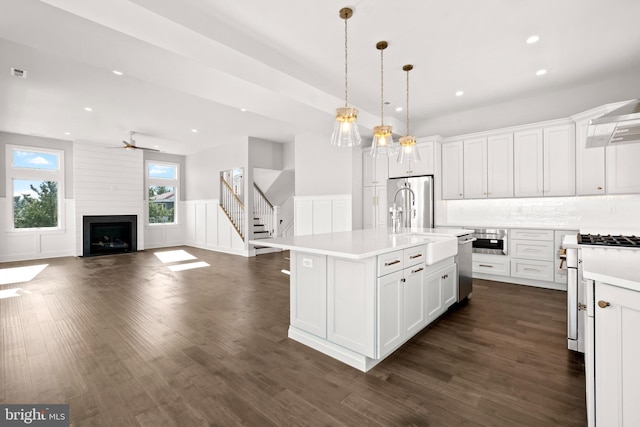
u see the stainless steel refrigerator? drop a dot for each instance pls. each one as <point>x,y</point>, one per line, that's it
<point>415,196</point>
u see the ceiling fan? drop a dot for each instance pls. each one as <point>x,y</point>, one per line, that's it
<point>131,144</point>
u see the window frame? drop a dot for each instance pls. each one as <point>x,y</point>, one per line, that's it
<point>166,182</point>
<point>33,174</point>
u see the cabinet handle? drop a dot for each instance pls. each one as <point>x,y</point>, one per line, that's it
<point>445,276</point>
<point>603,304</point>
<point>485,265</point>
<point>415,256</point>
<point>531,269</point>
<point>417,270</point>
<point>530,250</point>
<point>409,171</point>
<point>460,194</point>
<point>599,188</point>
<point>403,280</point>
<point>387,264</point>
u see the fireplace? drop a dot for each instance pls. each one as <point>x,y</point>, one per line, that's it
<point>109,234</point>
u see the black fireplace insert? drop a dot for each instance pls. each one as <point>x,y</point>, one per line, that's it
<point>109,234</point>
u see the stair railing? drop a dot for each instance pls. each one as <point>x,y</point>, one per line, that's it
<point>263,209</point>
<point>232,207</point>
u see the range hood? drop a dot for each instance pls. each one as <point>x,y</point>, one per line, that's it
<point>621,126</point>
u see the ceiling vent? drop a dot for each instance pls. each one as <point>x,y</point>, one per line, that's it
<point>17,72</point>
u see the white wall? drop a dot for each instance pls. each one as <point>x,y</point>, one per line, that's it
<point>587,213</point>
<point>555,103</point>
<point>202,170</point>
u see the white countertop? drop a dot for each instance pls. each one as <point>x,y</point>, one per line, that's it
<point>616,266</point>
<point>360,244</point>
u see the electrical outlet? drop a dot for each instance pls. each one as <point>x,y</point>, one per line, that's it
<point>307,262</point>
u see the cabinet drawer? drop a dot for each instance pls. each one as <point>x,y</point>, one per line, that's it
<point>532,249</point>
<point>539,270</point>
<point>493,266</point>
<point>521,233</point>
<point>390,262</point>
<point>416,255</point>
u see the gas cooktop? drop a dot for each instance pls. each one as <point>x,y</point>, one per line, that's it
<point>609,240</point>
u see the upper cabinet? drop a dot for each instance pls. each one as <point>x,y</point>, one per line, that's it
<point>452,174</point>
<point>604,170</point>
<point>622,168</point>
<point>424,167</point>
<point>375,170</point>
<point>475,168</point>
<point>589,164</point>
<point>544,162</point>
<point>500,166</point>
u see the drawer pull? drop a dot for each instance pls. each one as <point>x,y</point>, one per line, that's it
<point>417,270</point>
<point>415,256</point>
<point>387,264</point>
<point>485,265</point>
<point>531,269</point>
<point>530,250</point>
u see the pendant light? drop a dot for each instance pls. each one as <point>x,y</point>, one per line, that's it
<point>408,148</point>
<point>382,144</point>
<point>345,129</point>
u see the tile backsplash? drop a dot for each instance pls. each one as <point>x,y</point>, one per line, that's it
<point>592,214</point>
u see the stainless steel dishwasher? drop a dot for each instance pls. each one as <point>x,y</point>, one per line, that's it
<point>463,260</point>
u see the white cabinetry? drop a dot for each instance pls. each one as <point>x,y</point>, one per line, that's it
<point>622,169</point>
<point>375,172</point>
<point>589,164</point>
<point>424,167</point>
<point>374,207</point>
<point>544,162</point>
<point>452,170</point>
<point>532,253</point>
<point>617,371</point>
<point>500,265</point>
<point>440,293</point>
<point>475,168</point>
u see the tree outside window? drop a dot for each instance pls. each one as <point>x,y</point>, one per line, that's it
<point>35,182</point>
<point>162,185</point>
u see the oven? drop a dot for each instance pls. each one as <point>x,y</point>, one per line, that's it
<point>490,241</point>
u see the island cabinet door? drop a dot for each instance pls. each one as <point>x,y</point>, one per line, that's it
<point>390,313</point>
<point>351,304</point>
<point>433,295</point>
<point>309,293</point>
<point>449,287</point>
<point>414,318</point>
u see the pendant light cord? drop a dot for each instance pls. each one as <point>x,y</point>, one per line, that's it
<point>346,67</point>
<point>407,102</point>
<point>382,87</point>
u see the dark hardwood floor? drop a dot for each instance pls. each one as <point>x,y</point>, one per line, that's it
<point>127,342</point>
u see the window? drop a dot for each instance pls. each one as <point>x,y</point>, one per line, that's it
<point>162,184</point>
<point>35,181</point>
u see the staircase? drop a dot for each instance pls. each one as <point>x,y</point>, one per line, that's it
<point>260,232</point>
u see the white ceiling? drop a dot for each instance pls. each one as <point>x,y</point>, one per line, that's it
<point>193,64</point>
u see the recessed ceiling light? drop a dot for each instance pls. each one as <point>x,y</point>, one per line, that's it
<point>88,109</point>
<point>194,130</point>
<point>541,72</point>
<point>243,110</point>
<point>398,109</point>
<point>533,39</point>
<point>117,73</point>
<point>67,133</point>
<point>459,93</point>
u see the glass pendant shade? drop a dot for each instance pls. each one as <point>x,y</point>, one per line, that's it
<point>345,129</point>
<point>408,150</point>
<point>383,144</point>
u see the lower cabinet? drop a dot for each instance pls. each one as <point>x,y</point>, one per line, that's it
<point>410,299</point>
<point>617,371</point>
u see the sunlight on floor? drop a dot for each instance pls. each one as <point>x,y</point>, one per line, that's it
<point>287,272</point>
<point>174,256</point>
<point>15,292</point>
<point>189,266</point>
<point>20,274</point>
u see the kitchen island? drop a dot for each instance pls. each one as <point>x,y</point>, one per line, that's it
<point>359,295</point>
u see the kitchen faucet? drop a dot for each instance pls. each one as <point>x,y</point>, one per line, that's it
<point>396,212</point>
